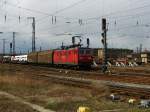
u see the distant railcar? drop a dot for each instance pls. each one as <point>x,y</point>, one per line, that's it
<point>19,59</point>
<point>6,59</point>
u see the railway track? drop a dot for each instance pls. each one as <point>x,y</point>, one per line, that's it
<point>127,77</point>
<point>119,83</point>
<point>89,71</point>
<point>97,76</point>
<point>121,88</point>
<point>123,71</point>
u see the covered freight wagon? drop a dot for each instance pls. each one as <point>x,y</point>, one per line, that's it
<point>45,57</point>
<point>32,57</point>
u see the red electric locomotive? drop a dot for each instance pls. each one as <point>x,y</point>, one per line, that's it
<point>73,55</point>
<point>77,56</point>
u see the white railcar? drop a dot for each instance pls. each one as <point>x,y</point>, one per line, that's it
<point>19,59</point>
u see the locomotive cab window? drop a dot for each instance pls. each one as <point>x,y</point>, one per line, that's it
<point>81,51</point>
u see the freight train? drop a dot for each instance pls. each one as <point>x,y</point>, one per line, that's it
<point>71,56</point>
<point>78,56</point>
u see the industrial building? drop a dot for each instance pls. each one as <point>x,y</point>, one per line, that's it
<point>145,57</point>
<point>112,54</point>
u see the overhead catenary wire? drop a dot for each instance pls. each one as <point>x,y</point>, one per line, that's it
<point>120,28</point>
<point>88,18</point>
<point>77,3</point>
<point>45,13</point>
<point>71,6</point>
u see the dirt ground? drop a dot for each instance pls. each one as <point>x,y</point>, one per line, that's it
<point>17,80</point>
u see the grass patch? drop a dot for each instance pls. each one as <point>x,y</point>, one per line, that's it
<point>7,105</point>
<point>61,98</point>
<point>94,105</point>
<point>138,110</point>
<point>66,106</point>
<point>21,85</point>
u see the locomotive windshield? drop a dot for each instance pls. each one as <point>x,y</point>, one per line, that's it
<point>88,51</point>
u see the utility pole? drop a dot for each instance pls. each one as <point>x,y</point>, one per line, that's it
<point>10,49</point>
<point>141,48</point>
<point>40,48</point>
<point>104,42</point>
<point>4,42</point>
<point>33,34</point>
<point>13,43</point>
<point>137,50</point>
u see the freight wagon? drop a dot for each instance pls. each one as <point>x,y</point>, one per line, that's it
<point>32,57</point>
<point>45,57</point>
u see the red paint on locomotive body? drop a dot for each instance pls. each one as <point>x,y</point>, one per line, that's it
<point>73,56</point>
<point>67,57</point>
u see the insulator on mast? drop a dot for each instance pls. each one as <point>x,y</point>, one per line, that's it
<point>52,20</point>
<point>55,19</point>
<point>5,18</point>
<point>19,19</point>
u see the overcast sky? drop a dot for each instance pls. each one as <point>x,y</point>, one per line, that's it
<point>128,22</point>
